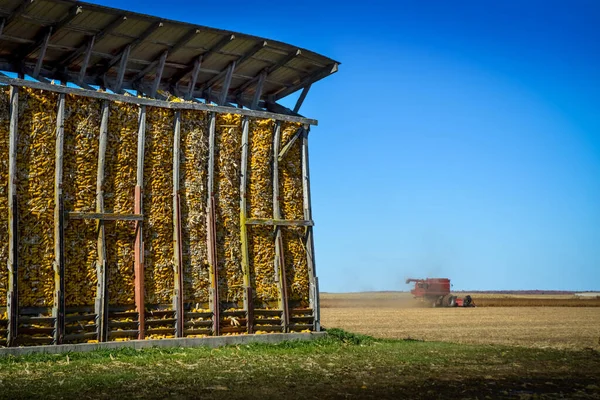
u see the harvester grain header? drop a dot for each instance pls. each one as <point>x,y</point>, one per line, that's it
<point>436,291</point>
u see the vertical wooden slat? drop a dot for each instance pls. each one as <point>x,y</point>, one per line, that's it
<point>243,228</point>
<point>101,305</point>
<point>310,247</point>
<point>211,224</point>
<point>177,253</point>
<point>58,311</point>
<point>278,263</point>
<point>139,242</point>
<point>13,223</point>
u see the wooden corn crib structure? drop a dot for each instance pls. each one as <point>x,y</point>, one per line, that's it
<point>130,218</point>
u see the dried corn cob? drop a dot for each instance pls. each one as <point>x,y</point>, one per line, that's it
<point>260,205</point>
<point>193,190</point>
<point>227,196</point>
<point>158,205</point>
<point>35,175</point>
<point>290,181</point>
<point>4,124</point>
<point>120,173</point>
<point>82,127</point>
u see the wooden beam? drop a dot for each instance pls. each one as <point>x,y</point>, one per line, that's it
<point>216,48</point>
<point>86,60</point>
<point>2,25</point>
<point>278,262</point>
<point>17,12</point>
<point>215,80</point>
<point>301,98</point>
<point>225,88</point>
<point>159,71</point>
<point>12,304</point>
<point>138,267</point>
<point>258,90</point>
<point>101,70</point>
<point>102,216</point>
<point>58,310</point>
<point>177,240</point>
<point>122,69</point>
<point>101,304</point>
<point>40,59</point>
<point>44,36</point>
<point>83,46</point>
<point>243,226</point>
<point>269,70</point>
<point>152,102</point>
<point>277,221</point>
<point>289,144</point>
<point>279,109</point>
<point>170,50</point>
<point>309,245</point>
<point>211,229</point>
<point>317,75</point>
<point>194,78</point>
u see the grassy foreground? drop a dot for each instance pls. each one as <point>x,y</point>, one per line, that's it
<point>342,365</point>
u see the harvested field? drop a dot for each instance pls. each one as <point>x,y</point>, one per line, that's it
<point>398,316</point>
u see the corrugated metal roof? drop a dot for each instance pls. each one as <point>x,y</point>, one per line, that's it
<point>140,40</point>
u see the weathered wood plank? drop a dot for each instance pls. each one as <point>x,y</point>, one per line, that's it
<point>58,310</point>
<point>243,226</point>
<point>289,144</point>
<point>258,91</point>
<point>310,246</point>
<point>153,102</point>
<point>278,262</point>
<point>12,304</point>
<point>159,71</point>
<point>138,268</point>
<point>177,240</point>
<point>86,60</point>
<point>301,98</point>
<point>105,216</point>
<point>40,59</point>
<point>211,229</point>
<point>101,304</point>
<point>226,83</point>
<point>278,222</point>
<point>122,69</point>
<point>194,78</point>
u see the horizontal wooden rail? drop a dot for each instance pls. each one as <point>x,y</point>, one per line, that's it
<point>278,222</point>
<point>106,216</point>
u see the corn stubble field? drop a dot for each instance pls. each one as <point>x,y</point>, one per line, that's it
<point>557,321</point>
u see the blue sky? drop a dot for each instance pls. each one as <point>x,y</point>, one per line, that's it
<point>458,139</point>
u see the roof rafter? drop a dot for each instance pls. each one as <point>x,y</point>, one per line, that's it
<point>269,70</point>
<point>16,13</point>
<point>190,67</point>
<point>317,75</point>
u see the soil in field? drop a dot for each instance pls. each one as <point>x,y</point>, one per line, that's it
<point>393,316</point>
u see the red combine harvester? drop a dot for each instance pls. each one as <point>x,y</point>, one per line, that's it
<point>436,291</point>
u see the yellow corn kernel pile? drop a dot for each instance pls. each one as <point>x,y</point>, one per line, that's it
<point>158,205</point>
<point>290,181</point>
<point>193,191</point>
<point>35,188</point>
<point>260,205</point>
<point>4,127</point>
<point>228,154</point>
<point>120,180</point>
<point>80,163</point>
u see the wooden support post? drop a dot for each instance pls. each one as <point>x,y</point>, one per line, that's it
<point>226,83</point>
<point>279,263</point>
<point>13,223</point>
<point>243,227</point>
<point>177,248</point>
<point>159,71</point>
<point>301,98</point>
<point>58,310</point>
<point>139,238</point>
<point>211,230</point>
<point>258,91</point>
<point>101,305</point>
<point>42,54</point>
<point>310,246</point>
<point>86,60</point>
<point>194,78</point>
<point>122,68</point>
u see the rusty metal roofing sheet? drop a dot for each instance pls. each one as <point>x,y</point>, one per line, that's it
<point>137,42</point>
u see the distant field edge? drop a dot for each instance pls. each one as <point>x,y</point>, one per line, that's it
<point>216,341</point>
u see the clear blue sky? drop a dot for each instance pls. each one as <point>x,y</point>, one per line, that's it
<point>459,139</point>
